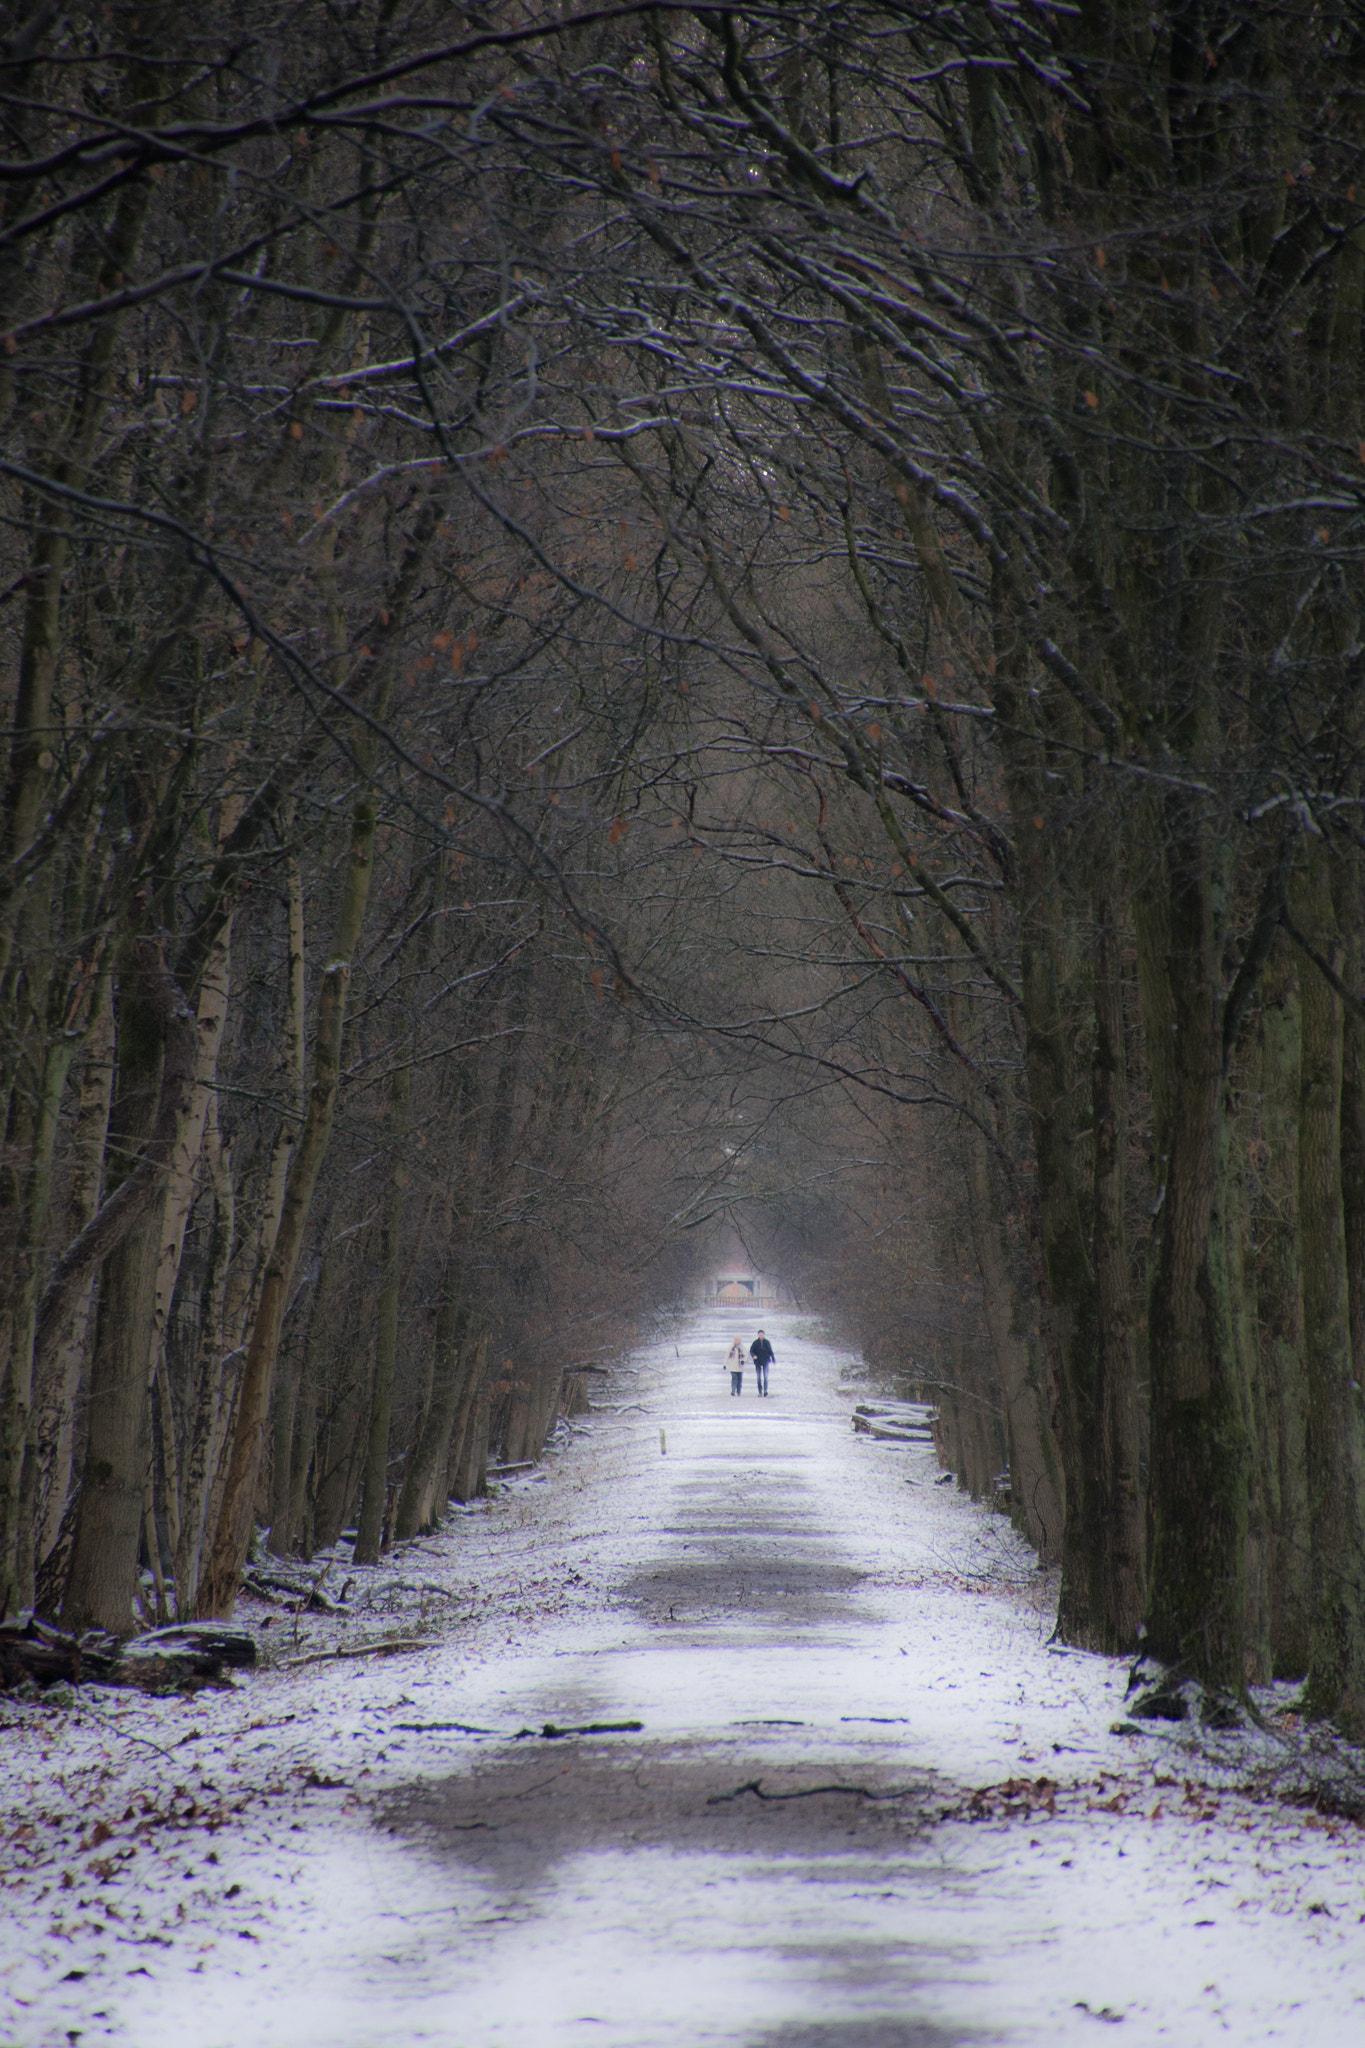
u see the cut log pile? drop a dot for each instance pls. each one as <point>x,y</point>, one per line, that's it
<point>896,1422</point>
<point>184,1655</point>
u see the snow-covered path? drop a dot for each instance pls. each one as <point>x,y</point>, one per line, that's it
<point>390,1851</point>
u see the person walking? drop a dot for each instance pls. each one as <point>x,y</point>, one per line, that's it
<point>761,1352</point>
<point>735,1361</point>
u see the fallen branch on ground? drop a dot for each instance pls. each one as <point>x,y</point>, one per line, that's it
<point>389,1586</point>
<point>306,1592</point>
<point>360,1650</point>
<point>551,1733</point>
<point>441,1728</point>
<point>755,1785</point>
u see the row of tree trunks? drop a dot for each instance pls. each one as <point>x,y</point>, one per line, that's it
<point>28,983</point>
<point>206,1471</point>
<point>232,1536</point>
<point>968,1435</point>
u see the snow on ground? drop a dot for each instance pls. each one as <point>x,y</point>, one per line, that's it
<point>381,1850</point>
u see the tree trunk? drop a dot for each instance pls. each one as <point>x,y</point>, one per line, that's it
<point>1349,899</point>
<point>1198,1482</point>
<point>370,1535</point>
<point>546,1388</point>
<point>18,1465</point>
<point>1262,1485</point>
<point>418,1506</point>
<point>298,1521</point>
<point>1336,1405</point>
<point>57,1388</point>
<point>1120,1521</point>
<point>179,1196</point>
<point>1069,1311</point>
<point>467,1475</point>
<point>286,1530</point>
<point>339,1462</point>
<point>156,1055</point>
<point>1280,1315</point>
<point>253,1261</point>
<point>208,1398</point>
<point>1035,1486</point>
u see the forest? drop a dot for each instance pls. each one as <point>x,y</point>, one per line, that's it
<point>628,623</point>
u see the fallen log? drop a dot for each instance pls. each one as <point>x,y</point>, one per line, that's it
<point>900,1415</point>
<point>33,1650</point>
<point>22,1658</point>
<point>890,1432</point>
<point>181,1654</point>
<point>207,1641</point>
<point>902,1411</point>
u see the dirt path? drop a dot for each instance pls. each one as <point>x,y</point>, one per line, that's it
<point>830,1651</point>
<point>730,1871</point>
<point>866,1804</point>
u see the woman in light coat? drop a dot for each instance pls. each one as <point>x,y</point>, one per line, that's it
<point>735,1361</point>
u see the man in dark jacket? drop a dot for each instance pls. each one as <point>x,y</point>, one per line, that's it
<point>761,1352</point>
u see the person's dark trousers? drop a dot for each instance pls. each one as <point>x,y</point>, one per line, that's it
<point>762,1372</point>
<point>736,1381</point>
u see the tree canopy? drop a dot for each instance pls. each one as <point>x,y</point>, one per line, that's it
<point>646,622</point>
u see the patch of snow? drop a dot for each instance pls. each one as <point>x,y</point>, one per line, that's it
<point>781,1602</point>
